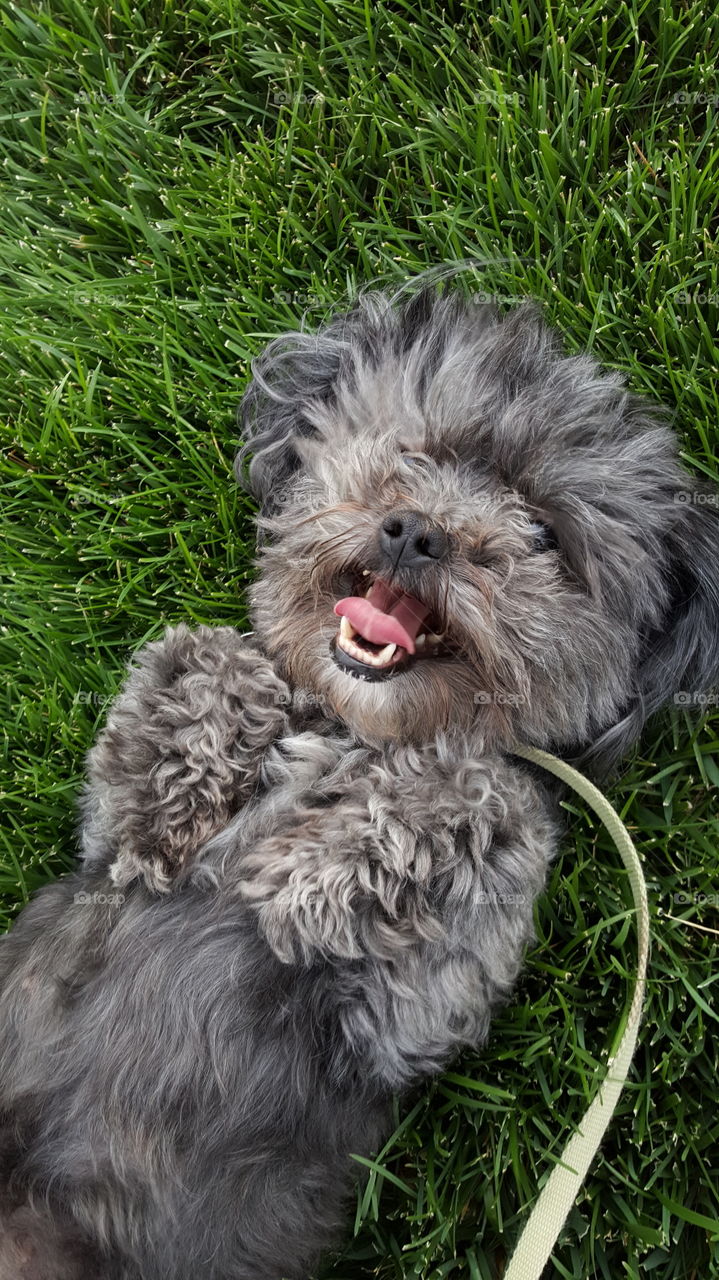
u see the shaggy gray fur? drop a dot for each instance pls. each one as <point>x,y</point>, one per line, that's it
<point>300,891</point>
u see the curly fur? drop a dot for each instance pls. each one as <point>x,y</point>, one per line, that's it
<point>189,725</point>
<point>300,892</point>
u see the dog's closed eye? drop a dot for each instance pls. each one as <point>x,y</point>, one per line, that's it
<point>415,460</point>
<point>436,452</point>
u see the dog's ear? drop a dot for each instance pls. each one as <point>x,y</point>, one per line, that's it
<point>294,372</point>
<point>680,659</point>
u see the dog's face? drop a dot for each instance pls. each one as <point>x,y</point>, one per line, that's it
<point>467,527</point>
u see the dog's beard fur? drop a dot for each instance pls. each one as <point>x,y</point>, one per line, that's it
<point>579,590</point>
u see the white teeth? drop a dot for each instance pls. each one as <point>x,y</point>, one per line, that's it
<point>381,659</point>
<point>428,640</point>
<point>347,631</point>
<point>365,573</point>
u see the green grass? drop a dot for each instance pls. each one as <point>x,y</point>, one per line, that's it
<point>179,182</point>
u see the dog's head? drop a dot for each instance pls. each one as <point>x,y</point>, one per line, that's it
<point>463,525</point>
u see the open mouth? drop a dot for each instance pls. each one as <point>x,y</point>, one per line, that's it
<point>382,632</point>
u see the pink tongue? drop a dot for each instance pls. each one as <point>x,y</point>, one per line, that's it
<point>398,626</point>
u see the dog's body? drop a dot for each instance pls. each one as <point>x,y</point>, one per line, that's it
<point>205,1081</point>
<point>303,891</point>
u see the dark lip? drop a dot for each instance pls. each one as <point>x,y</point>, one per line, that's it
<point>362,670</point>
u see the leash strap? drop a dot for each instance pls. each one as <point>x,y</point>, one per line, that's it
<point>559,1192</point>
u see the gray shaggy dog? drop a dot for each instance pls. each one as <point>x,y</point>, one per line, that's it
<point>309,855</point>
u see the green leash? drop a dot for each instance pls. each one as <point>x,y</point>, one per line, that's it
<point>564,1182</point>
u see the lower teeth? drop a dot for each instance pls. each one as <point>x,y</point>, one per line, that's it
<point>381,659</point>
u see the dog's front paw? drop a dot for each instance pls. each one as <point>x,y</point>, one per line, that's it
<point>181,751</point>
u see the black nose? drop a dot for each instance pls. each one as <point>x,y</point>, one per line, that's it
<point>411,540</point>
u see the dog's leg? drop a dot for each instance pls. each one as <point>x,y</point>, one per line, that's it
<point>181,751</point>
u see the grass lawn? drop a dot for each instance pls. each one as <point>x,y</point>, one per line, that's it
<point>179,183</point>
